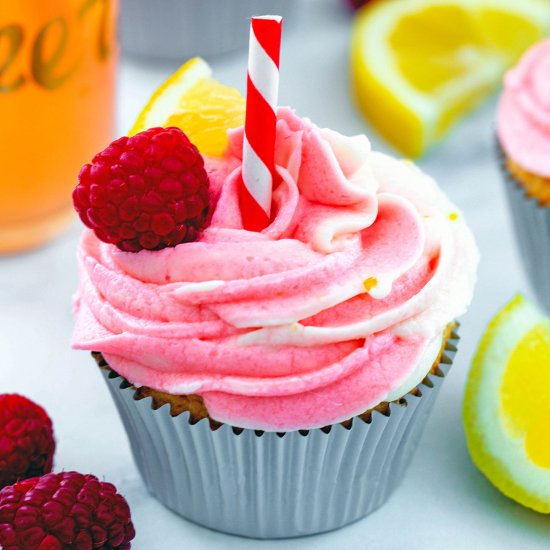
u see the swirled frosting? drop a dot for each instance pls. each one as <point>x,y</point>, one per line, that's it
<point>523,121</point>
<point>339,304</point>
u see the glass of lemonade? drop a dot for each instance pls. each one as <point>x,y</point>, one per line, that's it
<point>57,76</point>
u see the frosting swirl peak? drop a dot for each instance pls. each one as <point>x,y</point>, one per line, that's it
<point>523,122</point>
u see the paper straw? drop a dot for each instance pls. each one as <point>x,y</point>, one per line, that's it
<point>262,90</point>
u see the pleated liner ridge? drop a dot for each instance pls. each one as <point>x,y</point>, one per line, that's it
<point>272,485</point>
<point>532,228</point>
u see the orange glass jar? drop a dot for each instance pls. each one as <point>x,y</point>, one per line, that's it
<point>57,77</point>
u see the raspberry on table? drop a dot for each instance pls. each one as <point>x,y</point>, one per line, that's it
<point>27,443</point>
<point>64,511</point>
<point>148,191</point>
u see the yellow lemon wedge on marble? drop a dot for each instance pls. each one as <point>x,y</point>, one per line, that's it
<point>417,66</point>
<point>193,101</point>
<point>507,404</point>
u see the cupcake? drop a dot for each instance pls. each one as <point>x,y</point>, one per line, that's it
<point>523,131</point>
<point>274,383</point>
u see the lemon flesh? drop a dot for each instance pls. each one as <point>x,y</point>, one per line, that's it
<point>507,404</point>
<point>417,66</point>
<point>193,101</point>
<point>525,393</point>
<point>205,114</point>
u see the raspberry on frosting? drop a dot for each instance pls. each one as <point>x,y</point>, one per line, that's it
<point>148,191</point>
<point>27,443</point>
<point>64,511</point>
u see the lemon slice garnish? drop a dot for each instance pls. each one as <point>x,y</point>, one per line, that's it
<point>507,404</point>
<point>193,101</point>
<point>419,65</point>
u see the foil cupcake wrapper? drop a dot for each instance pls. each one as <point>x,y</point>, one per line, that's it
<point>179,29</point>
<point>532,229</point>
<point>271,485</point>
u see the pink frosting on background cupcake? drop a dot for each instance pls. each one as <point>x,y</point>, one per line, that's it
<point>339,304</point>
<point>523,122</point>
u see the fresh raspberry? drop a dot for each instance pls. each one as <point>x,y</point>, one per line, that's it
<point>64,511</point>
<point>27,444</point>
<point>147,191</point>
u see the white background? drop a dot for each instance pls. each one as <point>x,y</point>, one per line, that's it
<point>444,501</point>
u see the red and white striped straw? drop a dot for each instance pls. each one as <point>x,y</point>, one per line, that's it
<point>262,89</point>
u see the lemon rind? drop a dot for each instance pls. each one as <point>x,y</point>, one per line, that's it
<point>496,453</point>
<point>164,101</point>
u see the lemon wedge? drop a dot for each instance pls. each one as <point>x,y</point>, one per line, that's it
<point>419,65</point>
<point>507,404</point>
<point>193,101</point>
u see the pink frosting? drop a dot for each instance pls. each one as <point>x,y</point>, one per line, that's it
<point>276,330</point>
<point>523,122</point>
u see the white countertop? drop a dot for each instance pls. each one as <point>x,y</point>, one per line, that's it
<point>444,502</point>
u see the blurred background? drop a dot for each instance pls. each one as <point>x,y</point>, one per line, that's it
<point>76,73</point>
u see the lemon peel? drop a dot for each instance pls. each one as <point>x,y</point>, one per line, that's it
<point>193,101</point>
<point>506,413</point>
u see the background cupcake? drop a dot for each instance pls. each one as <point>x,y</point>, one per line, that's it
<point>523,129</point>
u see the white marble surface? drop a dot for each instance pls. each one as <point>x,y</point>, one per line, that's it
<point>444,501</point>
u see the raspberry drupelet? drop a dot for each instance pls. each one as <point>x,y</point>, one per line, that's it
<point>64,511</point>
<point>27,443</point>
<point>148,191</point>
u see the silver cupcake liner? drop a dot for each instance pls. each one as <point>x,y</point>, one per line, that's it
<point>179,29</point>
<point>532,229</point>
<point>271,485</point>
